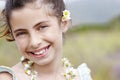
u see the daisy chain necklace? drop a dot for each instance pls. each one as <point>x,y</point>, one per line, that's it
<point>69,72</point>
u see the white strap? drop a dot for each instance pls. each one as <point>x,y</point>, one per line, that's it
<point>84,72</point>
<point>7,69</point>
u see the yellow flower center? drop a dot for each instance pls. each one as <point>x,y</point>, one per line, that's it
<point>66,13</point>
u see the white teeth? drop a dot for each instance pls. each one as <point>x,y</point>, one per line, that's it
<point>41,52</point>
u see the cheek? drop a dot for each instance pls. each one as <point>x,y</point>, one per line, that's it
<point>55,38</point>
<point>21,43</point>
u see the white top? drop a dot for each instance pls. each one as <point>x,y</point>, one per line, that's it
<point>83,70</point>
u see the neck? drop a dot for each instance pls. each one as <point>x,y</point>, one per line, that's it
<point>52,68</point>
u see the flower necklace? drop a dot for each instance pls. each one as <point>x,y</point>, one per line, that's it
<point>69,73</point>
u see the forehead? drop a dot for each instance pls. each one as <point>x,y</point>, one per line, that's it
<point>36,5</point>
<point>30,12</point>
<point>27,14</point>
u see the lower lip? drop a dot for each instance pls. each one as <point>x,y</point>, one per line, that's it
<point>41,55</point>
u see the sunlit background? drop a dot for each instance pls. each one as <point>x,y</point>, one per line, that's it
<point>93,39</point>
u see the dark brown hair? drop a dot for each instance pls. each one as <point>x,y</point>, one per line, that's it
<point>57,7</point>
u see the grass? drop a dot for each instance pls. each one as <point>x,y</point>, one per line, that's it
<point>91,46</point>
<point>94,48</point>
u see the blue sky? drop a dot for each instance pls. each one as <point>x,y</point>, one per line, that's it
<point>92,11</point>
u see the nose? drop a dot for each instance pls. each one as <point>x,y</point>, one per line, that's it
<point>35,41</point>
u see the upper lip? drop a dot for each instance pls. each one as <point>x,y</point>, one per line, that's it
<point>39,49</point>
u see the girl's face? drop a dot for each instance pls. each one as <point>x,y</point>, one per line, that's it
<point>37,35</point>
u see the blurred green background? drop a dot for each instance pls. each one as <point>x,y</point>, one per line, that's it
<point>94,39</point>
<point>98,45</point>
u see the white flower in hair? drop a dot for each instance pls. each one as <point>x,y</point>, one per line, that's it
<point>66,15</point>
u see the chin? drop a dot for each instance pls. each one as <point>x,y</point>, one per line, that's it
<point>45,61</point>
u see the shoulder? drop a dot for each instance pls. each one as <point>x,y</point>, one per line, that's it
<point>18,70</point>
<point>5,76</point>
<point>6,73</point>
<point>84,72</point>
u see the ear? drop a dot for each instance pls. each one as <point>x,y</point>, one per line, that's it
<point>65,25</point>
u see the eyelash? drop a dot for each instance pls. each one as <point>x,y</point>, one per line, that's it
<point>20,33</point>
<point>42,27</point>
<point>23,33</point>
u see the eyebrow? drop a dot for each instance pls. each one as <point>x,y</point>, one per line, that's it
<point>17,30</point>
<point>37,24</point>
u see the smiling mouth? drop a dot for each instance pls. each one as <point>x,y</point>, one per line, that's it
<point>40,51</point>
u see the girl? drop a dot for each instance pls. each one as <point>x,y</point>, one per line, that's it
<point>37,27</point>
